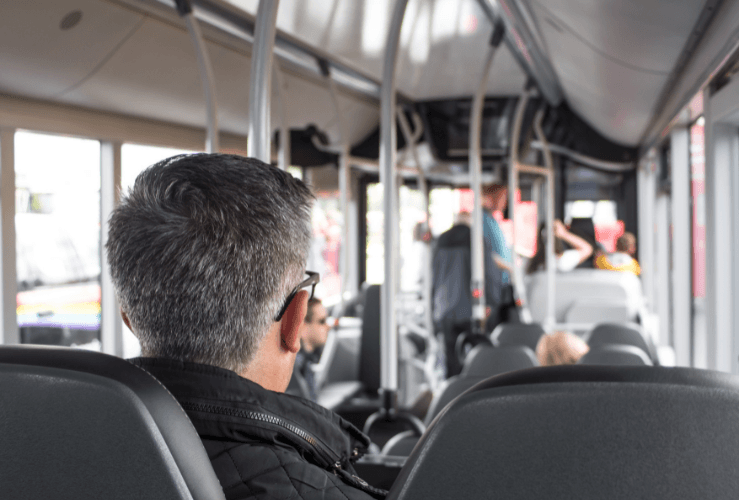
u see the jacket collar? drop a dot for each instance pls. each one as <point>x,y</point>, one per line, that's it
<point>223,405</point>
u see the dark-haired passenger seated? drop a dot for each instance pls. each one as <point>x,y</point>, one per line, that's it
<point>207,255</point>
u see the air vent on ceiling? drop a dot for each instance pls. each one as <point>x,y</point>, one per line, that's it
<point>71,20</point>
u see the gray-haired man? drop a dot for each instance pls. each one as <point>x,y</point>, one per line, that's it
<point>207,253</point>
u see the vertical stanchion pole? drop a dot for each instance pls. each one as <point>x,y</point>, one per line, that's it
<point>475,154</point>
<point>260,87</point>
<point>111,325</point>
<point>283,157</point>
<point>388,330</point>
<point>523,100</point>
<point>184,7</point>
<point>550,258</point>
<point>10,333</point>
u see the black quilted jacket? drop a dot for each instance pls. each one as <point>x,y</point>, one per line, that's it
<point>265,444</point>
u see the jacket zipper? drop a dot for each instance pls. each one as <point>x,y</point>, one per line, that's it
<point>326,453</point>
<point>332,459</point>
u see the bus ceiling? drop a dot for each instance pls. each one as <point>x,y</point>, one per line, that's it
<point>624,75</point>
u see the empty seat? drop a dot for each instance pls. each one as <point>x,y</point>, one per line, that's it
<point>616,355</point>
<point>512,334</point>
<point>579,295</point>
<point>483,361</point>
<point>568,432</point>
<point>622,334</point>
<point>81,424</point>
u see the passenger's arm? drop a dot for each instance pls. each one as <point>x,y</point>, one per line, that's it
<point>584,249</point>
<point>502,263</point>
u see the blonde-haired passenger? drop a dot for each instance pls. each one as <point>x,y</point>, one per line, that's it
<point>560,348</point>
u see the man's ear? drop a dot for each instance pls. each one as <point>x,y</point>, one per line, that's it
<point>292,320</point>
<point>127,321</point>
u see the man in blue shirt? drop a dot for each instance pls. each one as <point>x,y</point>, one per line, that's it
<point>495,197</point>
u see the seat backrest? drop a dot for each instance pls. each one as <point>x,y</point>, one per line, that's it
<point>82,424</point>
<point>486,361</point>
<point>590,285</point>
<point>513,334</point>
<point>567,432</point>
<point>482,362</point>
<point>616,355</point>
<point>618,333</point>
<point>369,359</point>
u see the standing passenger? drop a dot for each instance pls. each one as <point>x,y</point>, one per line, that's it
<point>495,198</point>
<point>207,254</point>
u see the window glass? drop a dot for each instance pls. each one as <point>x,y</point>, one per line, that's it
<point>134,159</point>
<point>608,228</point>
<point>325,253</point>
<point>410,248</point>
<point>58,239</point>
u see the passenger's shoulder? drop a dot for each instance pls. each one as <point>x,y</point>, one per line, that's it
<point>265,470</point>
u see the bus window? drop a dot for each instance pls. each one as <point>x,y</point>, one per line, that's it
<point>410,251</point>
<point>134,159</point>
<point>325,252</point>
<point>608,227</point>
<point>58,239</point>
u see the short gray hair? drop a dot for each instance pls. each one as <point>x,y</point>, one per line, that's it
<point>203,251</point>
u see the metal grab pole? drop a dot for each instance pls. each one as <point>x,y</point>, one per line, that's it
<point>512,188</point>
<point>475,153</point>
<point>388,330</point>
<point>550,258</point>
<point>184,7</point>
<point>283,156</point>
<point>411,139</point>
<point>344,181</point>
<point>260,86</point>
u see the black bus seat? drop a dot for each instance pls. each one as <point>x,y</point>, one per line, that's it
<point>483,362</point>
<point>81,424</point>
<point>621,334</point>
<point>616,355</point>
<point>568,432</point>
<point>513,334</point>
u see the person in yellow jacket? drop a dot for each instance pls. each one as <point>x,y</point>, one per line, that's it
<point>622,259</point>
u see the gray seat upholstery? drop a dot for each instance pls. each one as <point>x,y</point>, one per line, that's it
<point>617,355</point>
<point>620,334</point>
<point>80,424</point>
<point>568,432</point>
<point>513,334</point>
<point>483,361</point>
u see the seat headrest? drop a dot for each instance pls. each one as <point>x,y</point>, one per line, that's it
<point>618,355</point>
<point>618,333</point>
<point>510,334</point>
<point>89,424</point>
<point>582,432</point>
<point>485,361</point>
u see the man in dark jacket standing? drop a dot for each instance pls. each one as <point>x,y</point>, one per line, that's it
<point>452,287</point>
<point>207,254</point>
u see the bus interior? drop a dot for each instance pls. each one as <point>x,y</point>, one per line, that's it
<point>614,117</point>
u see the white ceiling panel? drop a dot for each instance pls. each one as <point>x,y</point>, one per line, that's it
<point>443,42</point>
<point>38,59</point>
<point>613,58</point>
<point>155,75</point>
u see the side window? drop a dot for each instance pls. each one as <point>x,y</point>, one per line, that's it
<point>58,239</point>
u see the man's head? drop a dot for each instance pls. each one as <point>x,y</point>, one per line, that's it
<point>203,252</point>
<point>314,332</point>
<point>495,197</point>
<point>626,243</point>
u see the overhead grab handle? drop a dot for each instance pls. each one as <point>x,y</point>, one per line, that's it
<point>184,8</point>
